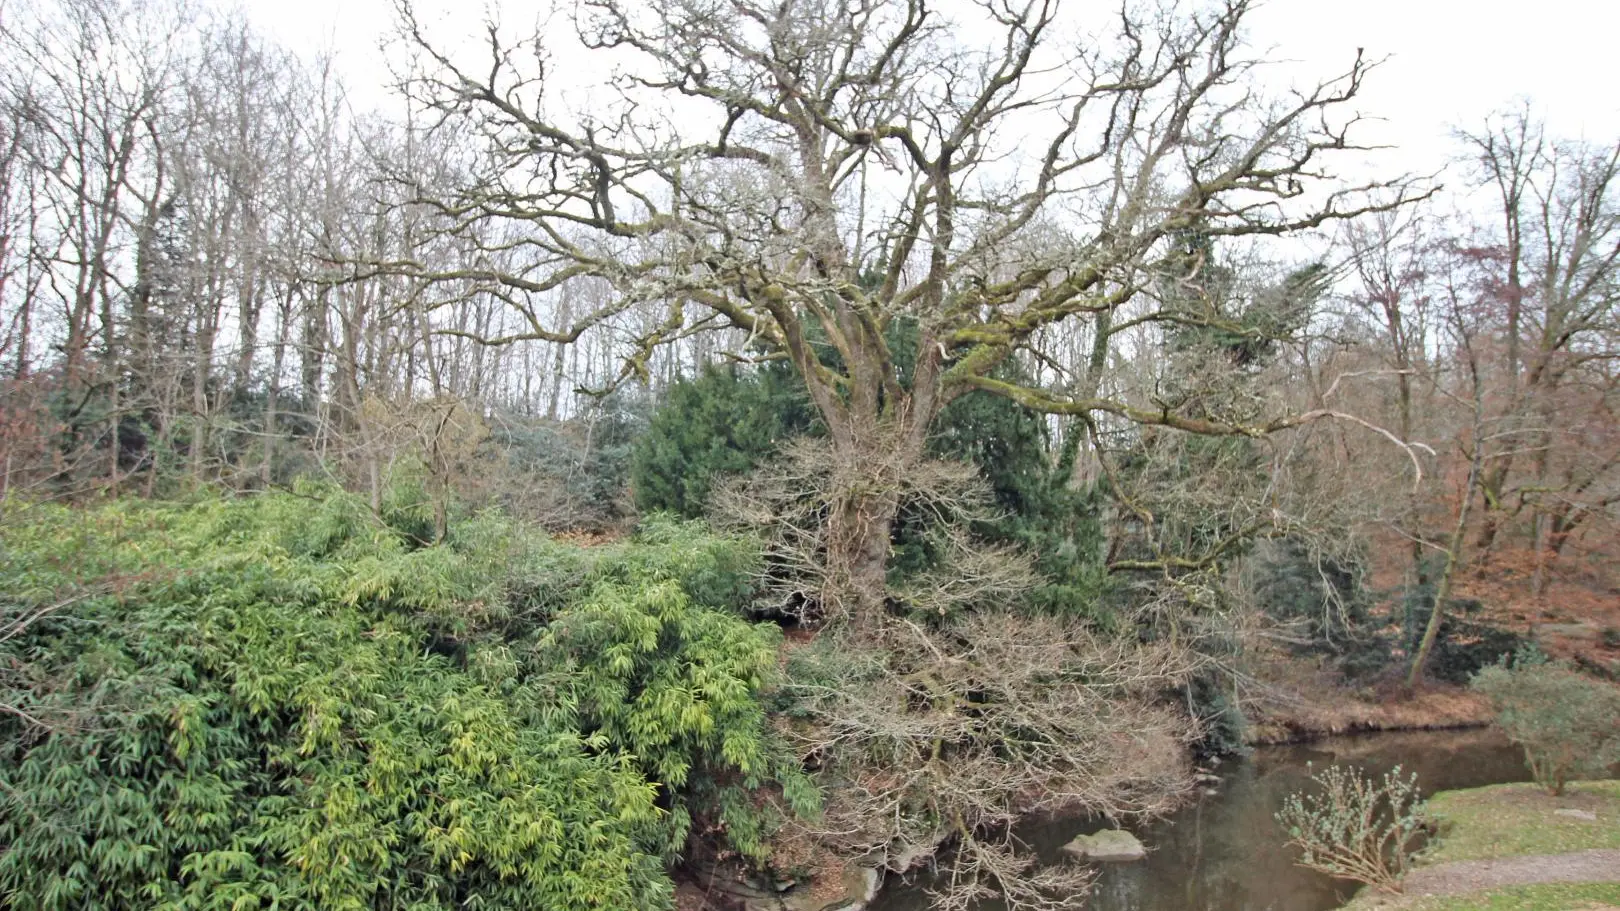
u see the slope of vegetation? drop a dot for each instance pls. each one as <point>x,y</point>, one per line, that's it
<point>282,702</point>
<point>1081,398</point>
<point>1543,897</point>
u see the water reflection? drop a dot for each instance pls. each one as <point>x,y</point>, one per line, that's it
<point>1226,853</point>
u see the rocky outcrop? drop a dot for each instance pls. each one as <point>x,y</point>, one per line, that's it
<point>857,887</point>
<point>848,888</point>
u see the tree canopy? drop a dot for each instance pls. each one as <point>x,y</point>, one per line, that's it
<point>1001,173</point>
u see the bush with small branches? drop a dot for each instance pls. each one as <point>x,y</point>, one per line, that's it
<point>1357,827</point>
<point>786,504</point>
<point>931,740</point>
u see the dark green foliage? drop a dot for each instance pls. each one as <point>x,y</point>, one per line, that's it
<point>1210,700</point>
<point>1054,523</point>
<point>1464,645</point>
<point>1321,594</point>
<point>1217,314</point>
<point>729,421</point>
<point>725,421</point>
<point>1012,448</point>
<point>252,705</point>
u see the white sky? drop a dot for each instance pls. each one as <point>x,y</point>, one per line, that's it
<point>1451,63</point>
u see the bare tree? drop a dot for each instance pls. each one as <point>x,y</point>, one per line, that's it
<point>1462,306</point>
<point>1554,256</point>
<point>92,83</point>
<point>1497,337</point>
<point>1392,257</point>
<point>812,173</point>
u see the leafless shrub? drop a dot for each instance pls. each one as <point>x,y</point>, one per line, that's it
<point>924,736</point>
<point>937,724</point>
<point>1357,827</point>
<point>790,503</point>
<point>972,575</point>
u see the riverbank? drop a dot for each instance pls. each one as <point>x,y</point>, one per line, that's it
<point>1301,699</point>
<point>1514,846</point>
<point>1225,851</point>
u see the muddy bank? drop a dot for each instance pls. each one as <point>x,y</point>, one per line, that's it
<point>1424,712</point>
<point>1301,701</point>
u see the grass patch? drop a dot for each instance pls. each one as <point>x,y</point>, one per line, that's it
<point>1550,897</point>
<point>1509,819</point>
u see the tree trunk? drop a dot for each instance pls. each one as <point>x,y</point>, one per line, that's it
<point>1086,464</point>
<point>1442,587</point>
<point>873,461</point>
<point>272,397</point>
<point>858,542</point>
<point>203,360</point>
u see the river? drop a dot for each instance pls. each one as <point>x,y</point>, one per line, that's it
<point>1226,852</point>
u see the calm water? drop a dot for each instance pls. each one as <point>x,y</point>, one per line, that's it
<point>1226,852</point>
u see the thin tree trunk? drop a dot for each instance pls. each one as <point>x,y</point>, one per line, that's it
<point>1086,463</point>
<point>272,397</point>
<point>1454,546</point>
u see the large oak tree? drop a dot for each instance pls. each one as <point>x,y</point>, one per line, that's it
<point>809,172</point>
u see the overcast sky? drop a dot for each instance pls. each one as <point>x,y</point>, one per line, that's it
<point>1451,63</point>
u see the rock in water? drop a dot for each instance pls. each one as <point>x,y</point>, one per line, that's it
<point>1107,846</point>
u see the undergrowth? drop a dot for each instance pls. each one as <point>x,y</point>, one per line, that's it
<point>283,702</point>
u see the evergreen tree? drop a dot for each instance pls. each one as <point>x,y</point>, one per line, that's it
<point>725,421</point>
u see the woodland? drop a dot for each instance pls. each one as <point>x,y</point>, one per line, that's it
<point>746,441</point>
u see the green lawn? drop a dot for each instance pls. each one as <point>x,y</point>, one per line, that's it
<point>1516,819</point>
<point>1510,819</point>
<point>1559,897</point>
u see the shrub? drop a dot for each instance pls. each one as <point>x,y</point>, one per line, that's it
<point>1356,827</point>
<point>725,421</point>
<point>1211,700</point>
<point>1322,594</point>
<point>569,474</point>
<point>1567,722</point>
<point>676,686</point>
<point>717,571</point>
<point>240,744</point>
<point>923,732</point>
<point>251,704</point>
